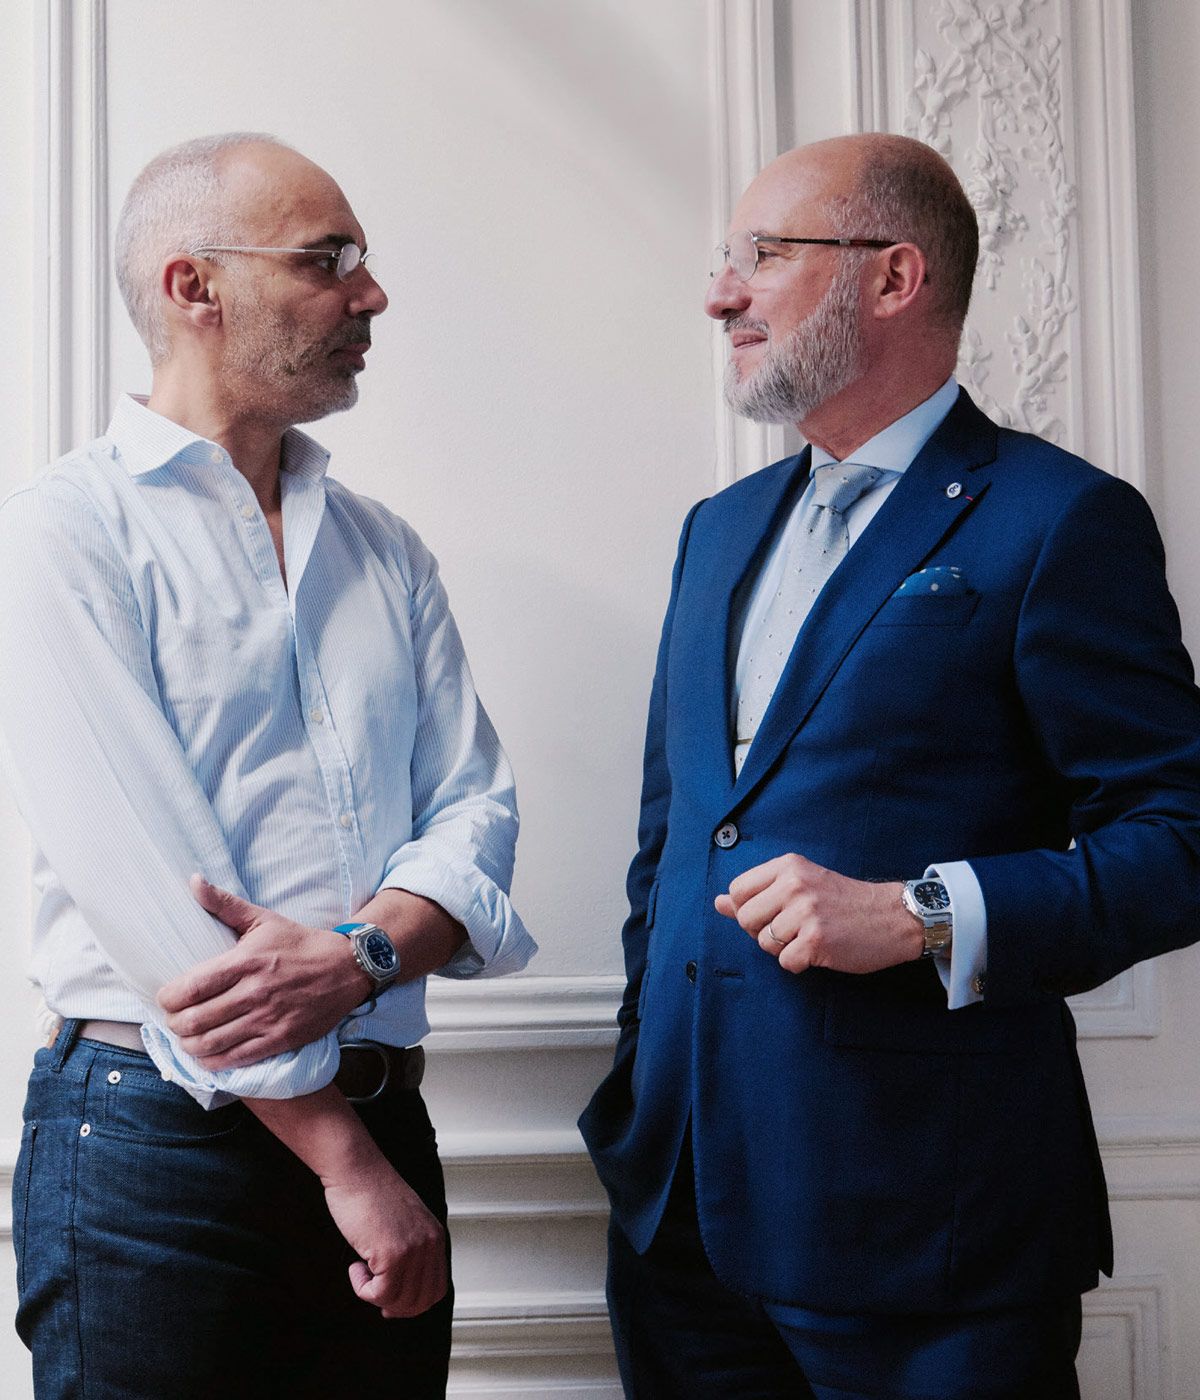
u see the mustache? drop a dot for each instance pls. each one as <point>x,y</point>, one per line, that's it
<point>746,323</point>
<point>357,333</point>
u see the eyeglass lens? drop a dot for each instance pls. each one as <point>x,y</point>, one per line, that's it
<point>742,253</point>
<point>349,257</point>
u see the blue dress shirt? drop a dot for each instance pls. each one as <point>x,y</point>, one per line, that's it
<point>170,706</point>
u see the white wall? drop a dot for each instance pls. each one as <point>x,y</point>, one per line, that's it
<point>543,181</point>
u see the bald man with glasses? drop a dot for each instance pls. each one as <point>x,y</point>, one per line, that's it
<point>267,804</point>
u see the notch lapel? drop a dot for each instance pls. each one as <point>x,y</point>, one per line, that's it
<point>729,559</point>
<point>904,532</point>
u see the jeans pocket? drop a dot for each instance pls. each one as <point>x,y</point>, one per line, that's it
<point>20,1198</point>
<point>139,1106</point>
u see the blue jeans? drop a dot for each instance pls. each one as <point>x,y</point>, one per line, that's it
<point>168,1253</point>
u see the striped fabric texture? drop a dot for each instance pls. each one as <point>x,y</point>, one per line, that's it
<point>169,706</point>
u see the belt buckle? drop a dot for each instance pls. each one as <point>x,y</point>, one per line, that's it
<point>385,1059</point>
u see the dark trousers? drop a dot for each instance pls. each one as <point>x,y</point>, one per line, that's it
<point>682,1335</point>
<point>168,1253</point>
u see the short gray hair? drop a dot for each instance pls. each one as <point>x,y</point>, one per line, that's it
<point>176,203</point>
<point>906,191</point>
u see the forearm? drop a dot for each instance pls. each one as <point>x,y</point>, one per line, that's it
<point>323,1130</point>
<point>424,935</point>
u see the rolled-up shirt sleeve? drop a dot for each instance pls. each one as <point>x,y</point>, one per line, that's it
<point>100,777</point>
<point>464,822</point>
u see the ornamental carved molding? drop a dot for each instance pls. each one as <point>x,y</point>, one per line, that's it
<point>987,93</point>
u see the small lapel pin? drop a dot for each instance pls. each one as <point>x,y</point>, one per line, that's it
<point>954,489</point>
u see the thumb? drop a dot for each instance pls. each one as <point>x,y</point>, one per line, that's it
<point>232,910</point>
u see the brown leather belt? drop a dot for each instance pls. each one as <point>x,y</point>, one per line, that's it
<point>369,1070</point>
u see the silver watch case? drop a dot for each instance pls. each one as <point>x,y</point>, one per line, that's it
<point>936,919</point>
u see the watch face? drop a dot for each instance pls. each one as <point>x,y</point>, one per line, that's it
<point>932,896</point>
<point>378,948</point>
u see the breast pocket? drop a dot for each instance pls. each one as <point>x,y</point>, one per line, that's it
<point>927,610</point>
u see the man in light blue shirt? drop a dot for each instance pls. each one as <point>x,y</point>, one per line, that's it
<point>266,803</point>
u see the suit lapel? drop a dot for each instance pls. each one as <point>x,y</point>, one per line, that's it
<point>905,531</point>
<point>704,630</point>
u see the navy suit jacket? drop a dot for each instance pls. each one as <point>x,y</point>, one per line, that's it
<point>858,1146</point>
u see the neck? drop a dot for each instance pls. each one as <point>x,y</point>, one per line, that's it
<point>197,402</point>
<point>843,423</point>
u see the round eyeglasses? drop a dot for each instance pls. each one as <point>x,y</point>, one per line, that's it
<point>345,259</point>
<point>742,252</point>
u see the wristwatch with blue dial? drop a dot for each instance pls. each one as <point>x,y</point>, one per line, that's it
<point>929,901</point>
<point>374,952</point>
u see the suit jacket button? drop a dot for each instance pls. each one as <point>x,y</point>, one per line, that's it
<point>690,969</point>
<point>726,836</point>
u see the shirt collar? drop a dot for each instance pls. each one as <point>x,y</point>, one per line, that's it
<point>895,447</point>
<point>145,441</point>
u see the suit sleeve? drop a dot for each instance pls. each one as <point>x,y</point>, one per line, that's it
<point>640,885</point>
<point>1108,689</point>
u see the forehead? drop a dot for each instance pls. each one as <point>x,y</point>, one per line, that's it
<point>280,196</point>
<point>791,194</point>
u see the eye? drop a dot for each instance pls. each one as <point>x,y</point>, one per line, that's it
<point>327,262</point>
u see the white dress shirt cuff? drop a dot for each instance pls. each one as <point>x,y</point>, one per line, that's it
<point>286,1076</point>
<point>498,942</point>
<point>968,950</point>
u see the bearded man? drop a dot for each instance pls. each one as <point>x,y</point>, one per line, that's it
<point>923,739</point>
<point>225,668</point>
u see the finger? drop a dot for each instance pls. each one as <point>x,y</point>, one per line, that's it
<point>225,1004</point>
<point>755,914</point>
<point>224,1049</point>
<point>199,984</point>
<point>796,957</point>
<point>232,910</point>
<point>753,881</point>
<point>726,906</point>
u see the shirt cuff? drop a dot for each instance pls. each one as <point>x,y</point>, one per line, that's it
<point>286,1076</point>
<point>499,942</point>
<point>968,948</point>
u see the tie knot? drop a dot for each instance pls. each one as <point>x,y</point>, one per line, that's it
<point>837,486</point>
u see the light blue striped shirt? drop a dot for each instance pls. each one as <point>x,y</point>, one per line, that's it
<point>169,705</point>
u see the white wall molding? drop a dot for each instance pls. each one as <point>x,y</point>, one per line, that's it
<point>1127,1315</point>
<point>544,1013</point>
<point>745,137</point>
<point>71,308</point>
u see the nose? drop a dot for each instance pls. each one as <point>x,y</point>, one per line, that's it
<point>367,297</point>
<point>727,295</point>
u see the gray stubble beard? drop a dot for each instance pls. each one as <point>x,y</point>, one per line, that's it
<point>821,357</point>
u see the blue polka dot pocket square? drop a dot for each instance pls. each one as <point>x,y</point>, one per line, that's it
<point>938,596</point>
<point>946,579</point>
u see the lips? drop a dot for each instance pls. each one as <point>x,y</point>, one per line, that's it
<point>738,339</point>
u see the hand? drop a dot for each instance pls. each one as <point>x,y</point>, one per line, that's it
<point>401,1267</point>
<point>284,985</point>
<point>807,916</point>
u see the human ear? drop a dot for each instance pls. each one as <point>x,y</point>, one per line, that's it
<point>191,292</point>
<point>899,277</point>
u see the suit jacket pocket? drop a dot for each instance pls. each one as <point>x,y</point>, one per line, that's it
<point>870,1023</point>
<point>927,610</point>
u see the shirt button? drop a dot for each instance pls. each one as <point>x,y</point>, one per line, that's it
<point>978,984</point>
<point>216,455</point>
<point>317,716</point>
<point>690,970</point>
<point>248,512</point>
<point>346,820</point>
<point>726,836</point>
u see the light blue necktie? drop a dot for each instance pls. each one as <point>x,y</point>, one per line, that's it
<point>822,542</point>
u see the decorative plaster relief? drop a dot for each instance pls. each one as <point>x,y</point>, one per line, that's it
<point>988,94</point>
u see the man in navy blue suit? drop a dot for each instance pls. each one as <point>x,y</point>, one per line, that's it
<point>923,759</point>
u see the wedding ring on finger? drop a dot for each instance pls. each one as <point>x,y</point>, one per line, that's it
<point>770,932</point>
